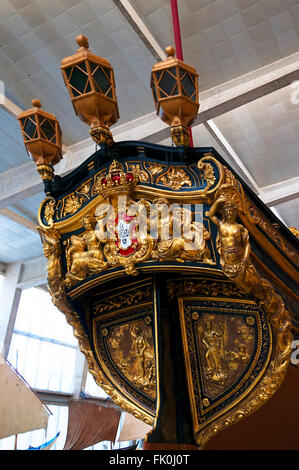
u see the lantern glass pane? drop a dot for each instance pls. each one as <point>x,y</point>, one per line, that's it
<point>78,79</point>
<point>168,82</point>
<point>188,87</point>
<point>101,77</point>
<point>48,129</point>
<point>29,126</point>
<point>158,75</point>
<point>68,72</point>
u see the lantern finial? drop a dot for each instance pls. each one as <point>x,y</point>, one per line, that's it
<point>82,41</point>
<point>36,103</point>
<point>170,51</point>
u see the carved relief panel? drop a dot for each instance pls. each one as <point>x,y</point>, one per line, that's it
<point>124,344</point>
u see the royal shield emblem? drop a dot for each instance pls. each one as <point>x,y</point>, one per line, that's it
<point>126,235</point>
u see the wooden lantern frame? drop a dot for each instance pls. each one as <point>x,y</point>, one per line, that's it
<point>94,105</point>
<point>177,108</point>
<point>45,150</point>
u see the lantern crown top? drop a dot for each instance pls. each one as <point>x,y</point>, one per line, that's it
<point>37,109</point>
<point>83,53</point>
<point>172,61</point>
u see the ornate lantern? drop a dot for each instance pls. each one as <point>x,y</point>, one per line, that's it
<point>42,139</point>
<point>90,82</point>
<point>175,90</point>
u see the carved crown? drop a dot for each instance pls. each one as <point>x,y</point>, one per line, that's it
<point>117,180</point>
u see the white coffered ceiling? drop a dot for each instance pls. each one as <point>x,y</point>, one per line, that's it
<point>245,51</point>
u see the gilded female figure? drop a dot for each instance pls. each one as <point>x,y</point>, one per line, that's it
<point>84,255</point>
<point>52,251</point>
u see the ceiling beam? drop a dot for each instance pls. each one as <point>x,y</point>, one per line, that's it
<point>140,28</point>
<point>23,181</point>
<point>7,104</point>
<point>279,193</point>
<point>19,219</point>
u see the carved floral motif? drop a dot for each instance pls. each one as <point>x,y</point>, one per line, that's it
<point>175,178</point>
<point>72,204</point>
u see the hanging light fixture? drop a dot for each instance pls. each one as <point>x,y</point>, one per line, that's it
<point>175,91</point>
<point>42,139</point>
<point>90,82</point>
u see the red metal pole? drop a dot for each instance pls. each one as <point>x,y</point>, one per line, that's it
<point>178,42</point>
<point>176,29</point>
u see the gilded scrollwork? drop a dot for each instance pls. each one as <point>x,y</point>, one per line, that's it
<point>260,220</point>
<point>155,168</point>
<point>84,189</point>
<point>208,173</point>
<point>124,300</point>
<point>203,287</point>
<point>294,231</point>
<point>49,212</point>
<point>142,174</point>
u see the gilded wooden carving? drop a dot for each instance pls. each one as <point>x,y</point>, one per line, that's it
<point>132,350</point>
<point>235,327</point>
<point>175,178</point>
<point>226,344</point>
<point>227,347</point>
<point>84,254</point>
<point>233,240</point>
